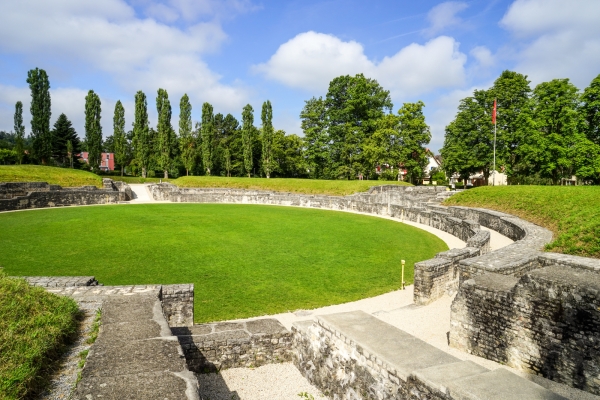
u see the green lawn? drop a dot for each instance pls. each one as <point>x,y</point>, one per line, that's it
<point>245,260</point>
<point>571,212</point>
<point>33,327</point>
<point>65,177</point>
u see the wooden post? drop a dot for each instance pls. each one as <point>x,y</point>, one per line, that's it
<point>403,274</point>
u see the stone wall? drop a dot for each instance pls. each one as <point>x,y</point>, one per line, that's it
<point>418,204</point>
<point>23,195</point>
<point>178,304</point>
<point>216,346</point>
<point>545,321</point>
<point>356,356</point>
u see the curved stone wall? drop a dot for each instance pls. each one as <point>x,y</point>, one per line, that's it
<point>24,195</point>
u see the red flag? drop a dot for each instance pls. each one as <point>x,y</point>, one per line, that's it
<point>494,113</point>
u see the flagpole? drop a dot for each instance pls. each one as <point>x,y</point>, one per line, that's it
<point>494,171</point>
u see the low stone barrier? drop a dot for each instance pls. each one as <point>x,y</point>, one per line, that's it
<point>544,321</point>
<point>222,345</point>
<point>178,304</point>
<point>24,195</point>
<point>356,356</point>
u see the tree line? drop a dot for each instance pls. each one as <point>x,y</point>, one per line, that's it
<point>544,135</point>
<point>348,134</point>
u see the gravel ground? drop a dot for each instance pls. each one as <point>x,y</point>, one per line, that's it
<point>273,381</point>
<point>63,381</point>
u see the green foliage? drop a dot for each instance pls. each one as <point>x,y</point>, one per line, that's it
<point>93,130</point>
<point>314,126</point>
<point>8,156</point>
<point>19,131</point>
<point>277,250</point>
<point>590,110</point>
<point>187,137</point>
<point>64,133</point>
<point>571,212</point>
<point>207,131</point>
<point>34,325</point>
<point>248,137</point>
<point>354,106</point>
<point>142,140</point>
<point>40,114</point>
<point>165,139</point>
<point>52,175</point>
<point>268,162</point>
<point>119,137</point>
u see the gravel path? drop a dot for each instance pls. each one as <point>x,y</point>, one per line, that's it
<point>273,381</point>
<point>63,381</point>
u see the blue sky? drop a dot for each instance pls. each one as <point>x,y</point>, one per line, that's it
<point>234,52</point>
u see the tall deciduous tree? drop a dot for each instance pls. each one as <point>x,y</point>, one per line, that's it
<point>590,109</point>
<point>187,140</point>
<point>40,114</point>
<point>415,135</point>
<point>267,138</point>
<point>314,126</point>
<point>165,134</point>
<point>248,132</point>
<point>119,138</point>
<point>93,129</point>
<point>207,131</point>
<point>142,144</point>
<point>63,134</point>
<point>19,131</point>
<point>354,105</point>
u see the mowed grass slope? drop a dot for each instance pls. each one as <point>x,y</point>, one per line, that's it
<point>306,186</point>
<point>65,177</point>
<point>571,212</point>
<point>34,324</point>
<point>245,260</point>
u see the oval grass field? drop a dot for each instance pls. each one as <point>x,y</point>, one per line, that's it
<point>244,260</point>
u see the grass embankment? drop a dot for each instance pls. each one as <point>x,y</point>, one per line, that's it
<point>33,327</point>
<point>65,177</point>
<point>245,260</point>
<point>572,213</point>
<point>305,186</point>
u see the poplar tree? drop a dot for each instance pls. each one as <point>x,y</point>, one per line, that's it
<point>267,137</point>
<point>187,142</point>
<point>93,129</point>
<point>40,114</point>
<point>207,132</point>
<point>141,133</point>
<point>119,139</point>
<point>248,136</point>
<point>164,132</point>
<point>19,131</point>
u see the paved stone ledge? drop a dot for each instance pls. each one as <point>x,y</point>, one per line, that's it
<point>61,281</point>
<point>216,346</point>
<point>356,356</point>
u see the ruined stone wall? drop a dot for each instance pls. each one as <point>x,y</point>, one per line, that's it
<point>23,195</point>
<point>216,346</point>
<point>178,304</point>
<point>545,322</point>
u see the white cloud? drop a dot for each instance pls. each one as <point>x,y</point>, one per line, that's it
<point>138,54</point>
<point>444,16</point>
<point>557,39</point>
<point>311,60</point>
<point>483,55</point>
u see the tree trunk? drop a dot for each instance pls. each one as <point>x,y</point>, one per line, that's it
<point>122,170</point>
<point>166,174</point>
<point>143,172</point>
<point>187,172</point>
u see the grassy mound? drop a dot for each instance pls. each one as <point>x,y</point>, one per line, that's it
<point>306,186</point>
<point>572,213</point>
<point>65,177</point>
<point>33,326</point>
<point>245,260</point>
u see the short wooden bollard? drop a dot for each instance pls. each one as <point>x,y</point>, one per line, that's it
<point>403,262</point>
